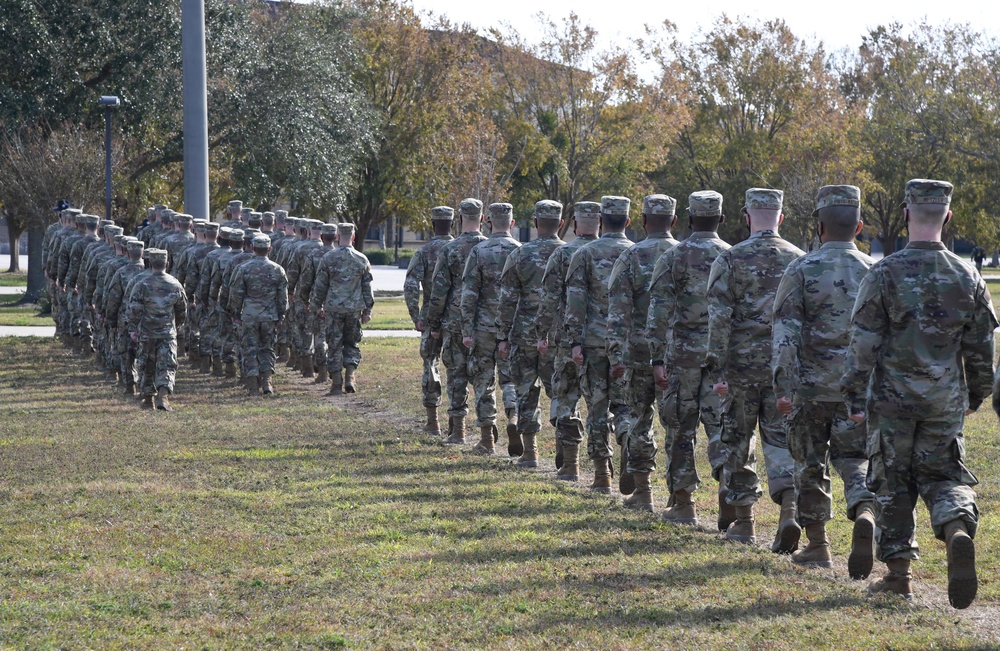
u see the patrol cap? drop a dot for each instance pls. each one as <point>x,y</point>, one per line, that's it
<point>291,221</point>
<point>267,218</point>
<point>548,209</point>
<point>245,213</point>
<point>159,207</point>
<point>250,233</point>
<point>113,231</point>
<point>612,205</point>
<point>329,229</point>
<point>260,241</point>
<point>927,191</point>
<point>199,226</point>
<point>135,246</point>
<point>150,212</point>
<point>73,212</point>
<point>501,210</point>
<point>445,213</point>
<point>837,195</point>
<point>225,231</point>
<point>471,207</point>
<point>763,199</point>
<point>107,222</point>
<point>80,218</point>
<point>280,215</point>
<point>166,216</point>
<point>235,206</point>
<point>315,225</point>
<point>91,221</point>
<point>587,212</point>
<point>705,203</point>
<point>212,228</point>
<point>156,255</point>
<point>255,217</point>
<point>345,230</point>
<point>120,238</point>
<point>235,235</point>
<point>303,223</point>
<point>659,204</point>
<point>184,218</point>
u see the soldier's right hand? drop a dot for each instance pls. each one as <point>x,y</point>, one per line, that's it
<point>420,325</point>
<point>721,388</point>
<point>542,346</point>
<point>467,342</point>
<point>578,355</point>
<point>784,405</point>
<point>660,376</point>
<point>503,349</point>
<point>858,416</point>
<point>435,335</point>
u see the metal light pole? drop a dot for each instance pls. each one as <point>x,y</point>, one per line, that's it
<point>195,109</point>
<point>109,102</point>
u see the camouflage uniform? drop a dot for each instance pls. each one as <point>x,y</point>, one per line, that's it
<point>920,355</point>
<point>79,325</point>
<point>259,296</point>
<point>479,306</point>
<point>156,305</point>
<point>124,352</point>
<point>225,345</point>
<point>741,289</point>
<point>315,326</point>
<point>210,325</point>
<point>444,314</point>
<point>520,301</point>
<point>677,329</point>
<point>302,319</point>
<point>585,325</point>
<point>420,275</point>
<point>628,308</point>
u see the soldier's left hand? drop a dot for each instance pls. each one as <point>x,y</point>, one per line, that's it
<point>721,388</point>
<point>784,405</point>
<point>366,317</point>
<point>578,355</point>
<point>618,370</point>
<point>542,346</point>
<point>503,349</point>
<point>420,325</point>
<point>467,342</point>
<point>133,336</point>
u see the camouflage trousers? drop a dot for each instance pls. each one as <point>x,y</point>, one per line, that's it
<point>157,362</point>
<point>291,329</point>
<point>258,339</point>
<point>65,317</point>
<point>820,433</point>
<point>283,332</point>
<point>430,379</point>
<point>318,328</point>
<point>302,322</point>
<point>87,318</point>
<point>607,404</point>
<point>193,325</point>
<point>531,372</point>
<point>229,337</point>
<point>749,407</point>
<point>56,303</point>
<point>73,304</point>
<point>565,411</point>
<point>343,339</point>
<point>640,391</point>
<point>925,458</point>
<point>210,329</point>
<point>125,353</point>
<point>483,376</point>
<point>455,358</point>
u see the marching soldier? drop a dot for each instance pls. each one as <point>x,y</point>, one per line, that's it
<point>315,329</point>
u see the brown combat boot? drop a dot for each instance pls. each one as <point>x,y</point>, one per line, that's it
<point>147,402</point>
<point>206,364</point>
<point>337,384</point>
<point>162,401</point>
<point>786,539</point>
<point>682,510</point>
<point>742,530</point>
<point>230,370</point>
<point>515,447</point>
<point>602,477</point>
<point>456,431</point>
<point>266,387</point>
<point>896,580</point>
<point>528,458</point>
<point>641,498</point>
<point>817,552</point>
<point>432,426</point>
<point>559,453</point>
<point>217,366</point>
<point>307,368</point>
<point>488,435</point>
<point>626,483</point>
<point>251,385</point>
<point>570,469</point>
<point>282,353</point>
<point>349,385</point>
<point>293,359</point>
<point>962,580</point>
<point>322,377</point>
<point>859,563</point>
<point>727,512</point>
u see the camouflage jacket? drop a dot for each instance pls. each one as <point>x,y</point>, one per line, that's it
<point>235,263</point>
<point>812,318</point>
<point>741,289</point>
<point>259,291</point>
<point>47,239</point>
<point>55,245</point>
<point>677,324</point>
<point>343,283</point>
<point>65,250</point>
<point>297,259</point>
<point>117,288</point>
<point>191,261</point>
<point>307,273</point>
<point>147,233</point>
<point>628,299</point>
<point>444,311</point>
<point>586,320</point>
<point>76,260</point>
<point>98,259</point>
<point>205,271</point>
<point>521,291</point>
<point>278,241</point>
<point>420,275</point>
<point>921,336</point>
<point>104,277</point>
<point>288,250</point>
<point>219,273</point>
<point>481,283</point>
<point>175,245</point>
<point>549,324</point>
<point>156,306</point>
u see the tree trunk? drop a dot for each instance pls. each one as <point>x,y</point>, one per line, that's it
<point>36,279</point>
<point>14,237</point>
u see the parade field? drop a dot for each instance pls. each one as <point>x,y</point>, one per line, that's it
<point>311,522</point>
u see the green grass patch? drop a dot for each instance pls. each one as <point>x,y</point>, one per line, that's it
<point>12,314</point>
<point>390,314</point>
<point>8,279</point>
<point>311,522</point>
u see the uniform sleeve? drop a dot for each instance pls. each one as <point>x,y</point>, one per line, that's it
<point>510,294</point>
<point>551,291</point>
<point>133,312</point>
<point>282,293</point>
<point>721,300</point>
<point>180,307</point>
<point>440,285</point>
<point>786,333</point>
<point>237,292</point>
<point>869,326</point>
<point>411,286</point>
<point>366,288</point>
<point>661,311</point>
<point>977,347</point>
<point>575,318</point>
<point>114,299</point>
<point>621,303</point>
<point>472,283</point>
<point>215,284</point>
<point>320,286</point>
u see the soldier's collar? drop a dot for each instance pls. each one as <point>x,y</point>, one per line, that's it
<point>617,236</point>
<point>838,245</point>
<point>703,235</point>
<point>930,246</point>
<point>764,233</point>
<point>658,235</point>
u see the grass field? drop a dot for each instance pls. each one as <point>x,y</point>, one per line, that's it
<point>309,522</point>
<point>12,314</point>
<point>8,279</point>
<point>390,314</point>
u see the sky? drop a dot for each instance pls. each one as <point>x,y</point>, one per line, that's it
<point>838,24</point>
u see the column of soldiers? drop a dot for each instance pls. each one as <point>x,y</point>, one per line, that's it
<point>836,360</point>
<point>213,292</point>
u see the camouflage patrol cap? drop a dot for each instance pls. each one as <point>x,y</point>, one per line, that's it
<point>345,230</point>
<point>927,191</point>
<point>659,204</point>
<point>245,213</point>
<point>501,210</point>
<point>156,255</point>
<point>184,218</point>
<point>199,226</point>
<point>255,217</point>
<point>112,231</point>
<point>235,235</point>
<point>80,218</point>
<point>91,221</point>
<point>280,215</point>
<point>261,241</point>
<point>548,209</point>
<point>135,246</point>
<point>291,221</point>
<point>445,213</point>
<point>763,199</point>
<point>315,225</point>
<point>234,206</point>
<point>166,216</point>
<point>120,239</point>
<point>225,231</point>
<point>471,208</point>
<point>73,212</point>
<point>159,207</point>
<point>837,195</point>
<point>107,222</point>
<point>150,212</point>
<point>329,229</point>
<point>212,228</point>
<point>267,218</point>
<point>705,203</point>
<point>612,205</point>
<point>587,212</point>
<point>250,233</point>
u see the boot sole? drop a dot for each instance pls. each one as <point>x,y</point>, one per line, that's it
<point>788,539</point>
<point>648,508</point>
<point>350,390</point>
<point>826,565</point>
<point>962,581</point>
<point>527,464</point>
<point>515,447</point>
<point>690,521</point>
<point>723,523</point>
<point>603,490</point>
<point>568,477</point>
<point>746,540</point>
<point>859,563</point>
<point>486,452</point>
